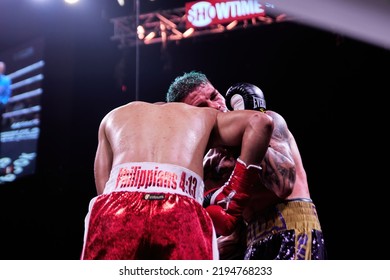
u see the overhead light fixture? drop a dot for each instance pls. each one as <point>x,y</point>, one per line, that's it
<point>231,25</point>
<point>71,1</point>
<point>121,3</point>
<point>188,32</point>
<point>140,32</point>
<point>149,37</point>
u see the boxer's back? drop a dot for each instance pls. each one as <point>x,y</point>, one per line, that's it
<point>173,133</point>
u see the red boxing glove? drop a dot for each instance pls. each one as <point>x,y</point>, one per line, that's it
<point>224,223</point>
<point>228,202</point>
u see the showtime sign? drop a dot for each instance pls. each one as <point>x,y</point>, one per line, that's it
<point>204,13</point>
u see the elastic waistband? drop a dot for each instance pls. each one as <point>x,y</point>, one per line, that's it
<point>152,177</point>
<point>298,215</point>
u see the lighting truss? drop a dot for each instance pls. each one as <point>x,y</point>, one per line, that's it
<point>170,25</point>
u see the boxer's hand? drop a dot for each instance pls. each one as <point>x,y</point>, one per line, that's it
<point>228,202</point>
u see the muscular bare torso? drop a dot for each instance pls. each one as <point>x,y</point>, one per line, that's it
<point>168,133</point>
<point>175,133</point>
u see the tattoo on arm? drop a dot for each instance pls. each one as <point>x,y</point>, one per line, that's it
<point>279,173</point>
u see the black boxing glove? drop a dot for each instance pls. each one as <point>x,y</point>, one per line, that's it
<point>245,96</point>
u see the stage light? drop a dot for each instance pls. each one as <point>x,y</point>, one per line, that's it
<point>231,25</point>
<point>149,37</point>
<point>71,1</point>
<point>121,3</point>
<point>188,32</point>
<point>141,32</point>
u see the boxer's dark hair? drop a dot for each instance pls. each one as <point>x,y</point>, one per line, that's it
<point>183,85</point>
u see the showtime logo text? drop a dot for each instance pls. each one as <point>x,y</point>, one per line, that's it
<point>203,13</point>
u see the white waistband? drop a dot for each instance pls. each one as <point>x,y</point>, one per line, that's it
<point>155,177</point>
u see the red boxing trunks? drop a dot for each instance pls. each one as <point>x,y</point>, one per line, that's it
<point>289,231</point>
<point>150,211</point>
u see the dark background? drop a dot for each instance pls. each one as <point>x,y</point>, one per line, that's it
<point>332,90</point>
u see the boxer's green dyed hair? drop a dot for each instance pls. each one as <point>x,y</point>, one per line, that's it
<point>183,85</point>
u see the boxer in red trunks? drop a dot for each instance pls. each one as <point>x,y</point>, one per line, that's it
<point>149,179</point>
